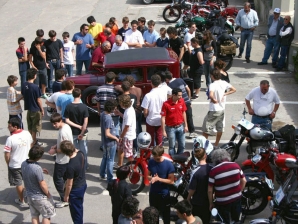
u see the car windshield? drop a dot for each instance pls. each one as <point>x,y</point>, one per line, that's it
<point>123,72</point>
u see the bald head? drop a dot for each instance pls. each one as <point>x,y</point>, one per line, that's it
<point>287,19</point>
<point>106,46</point>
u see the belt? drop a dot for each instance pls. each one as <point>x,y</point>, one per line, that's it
<point>247,29</point>
<point>267,116</point>
<point>271,36</point>
<point>54,60</point>
<point>177,126</point>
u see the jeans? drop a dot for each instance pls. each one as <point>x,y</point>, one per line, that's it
<point>265,122</point>
<point>246,36</point>
<point>107,162</point>
<point>207,70</point>
<point>271,43</point>
<point>54,65</point>
<point>138,128</point>
<point>58,178</point>
<point>23,75</point>
<point>76,200</point>
<point>173,135</point>
<point>162,204</point>
<point>233,208</point>
<point>79,66</point>
<point>82,146</point>
<point>116,120</point>
<point>191,127</point>
<point>156,134</point>
<point>284,50</point>
<point>69,69</point>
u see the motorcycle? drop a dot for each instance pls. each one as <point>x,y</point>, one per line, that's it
<point>283,207</point>
<point>173,12</point>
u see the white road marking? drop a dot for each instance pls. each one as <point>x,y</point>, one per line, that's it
<point>242,102</point>
<point>266,73</point>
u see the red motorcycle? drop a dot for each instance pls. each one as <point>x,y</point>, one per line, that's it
<point>270,161</point>
<point>230,13</point>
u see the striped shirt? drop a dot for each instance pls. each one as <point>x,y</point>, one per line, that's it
<point>104,93</point>
<point>225,180</point>
<point>14,108</point>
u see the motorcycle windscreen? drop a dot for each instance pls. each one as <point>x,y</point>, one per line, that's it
<point>246,124</point>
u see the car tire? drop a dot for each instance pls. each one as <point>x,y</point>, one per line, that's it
<point>148,1</point>
<point>87,96</point>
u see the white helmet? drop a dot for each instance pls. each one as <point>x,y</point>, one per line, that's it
<point>144,140</point>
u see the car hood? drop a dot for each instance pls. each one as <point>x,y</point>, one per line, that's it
<point>88,79</point>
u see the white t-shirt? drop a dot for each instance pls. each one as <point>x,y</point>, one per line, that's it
<point>64,133</point>
<point>18,144</point>
<point>123,46</point>
<point>129,118</point>
<point>165,86</point>
<point>153,101</point>
<point>187,38</point>
<point>133,37</point>
<point>67,52</point>
<point>218,88</point>
<point>263,103</point>
<point>53,99</point>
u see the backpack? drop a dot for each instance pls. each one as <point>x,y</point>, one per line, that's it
<point>287,132</point>
<point>228,47</point>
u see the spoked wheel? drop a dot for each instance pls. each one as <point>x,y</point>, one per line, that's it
<point>174,198</point>
<point>135,178</point>
<point>254,198</point>
<point>171,14</point>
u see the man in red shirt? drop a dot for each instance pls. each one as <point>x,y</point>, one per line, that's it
<point>98,56</point>
<point>109,35</point>
<point>173,121</point>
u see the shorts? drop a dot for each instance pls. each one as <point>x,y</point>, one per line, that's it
<point>15,176</point>
<point>34,121</point>
<point>196,76</point>
<point>126,147</point>
<point>214,119</point>
<point>186,58</point>
<point>43,77</point>
<point>44,207</point>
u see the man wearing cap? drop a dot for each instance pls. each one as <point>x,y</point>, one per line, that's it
<point>247,19</point>
<point>286,34</point>
<point>275,23</point>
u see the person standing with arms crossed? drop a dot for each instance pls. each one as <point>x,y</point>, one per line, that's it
<point>247,19</point>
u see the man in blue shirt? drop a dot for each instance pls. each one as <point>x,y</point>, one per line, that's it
<point>247,19</point>
<point>65,99</point>
<point>84,42</point>
<point>150,36</point>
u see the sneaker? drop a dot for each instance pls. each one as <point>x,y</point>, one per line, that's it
<point>239,56</point>
<point>61,204</point>
<point>44,96</point>
<point>21,204</point>
<point>38,143</point>
<point>262,63</point>
<point>247,60</point>
<point>101,148</point>
<point>102,178</point>
<point>192,135</point>
<point>195,96</point>
<point>115,167</point>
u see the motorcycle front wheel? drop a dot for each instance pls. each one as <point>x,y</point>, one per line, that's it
<point>254,198</point>
<point>231,149</point>
<point>171,14</point>
<point>135,178</point>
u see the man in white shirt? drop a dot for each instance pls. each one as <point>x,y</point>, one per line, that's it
<point>188,36</point>
<point>133,37</point>
<point>68,53</point>
<point>265,104</point>
<point>119,45</point>
<point>16,151</point>
<point>218,90</point>
<point>52,100</point>
<point>152,104</point>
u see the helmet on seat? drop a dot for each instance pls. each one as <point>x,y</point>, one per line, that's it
<point>144,140</point>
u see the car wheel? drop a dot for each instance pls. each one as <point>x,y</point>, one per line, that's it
<point>148,1</point>
<point>88,95</point>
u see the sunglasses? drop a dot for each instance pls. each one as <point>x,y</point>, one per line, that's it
<point>86,29</point>
<point>286,19</point>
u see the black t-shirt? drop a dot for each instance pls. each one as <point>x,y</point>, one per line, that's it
<point>176,44</point>
<point>199,183</point>
<point>31,93</point>
<point>118,195</point>
<point>38,61</point>
<point>194,63</point>
<point>76,170</point>
<point>133,98</point>
<point>122,32</point>
<point>57,86</point>
<point>225,77</point>
<point>53,49</point>
<point>76,112</point>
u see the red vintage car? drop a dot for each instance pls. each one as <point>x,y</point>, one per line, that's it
<point>140,63</point>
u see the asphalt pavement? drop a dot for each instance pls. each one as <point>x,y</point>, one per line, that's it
<point>24,18</point>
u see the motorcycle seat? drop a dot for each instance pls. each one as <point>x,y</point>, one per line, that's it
<point>278,135</point>
<point>182,158</point>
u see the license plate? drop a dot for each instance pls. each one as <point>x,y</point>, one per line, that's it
<point>279,195</point>
<point>269,182</point>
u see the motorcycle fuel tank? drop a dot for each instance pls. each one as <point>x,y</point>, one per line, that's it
<point>199,21</point>
<point>282,160</point>
<point>258,133</point>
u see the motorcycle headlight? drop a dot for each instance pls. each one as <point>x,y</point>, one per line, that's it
<point>237,130</point>
<point>256,159</point>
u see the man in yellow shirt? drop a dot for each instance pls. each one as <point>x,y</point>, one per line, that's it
<point>94,29</point>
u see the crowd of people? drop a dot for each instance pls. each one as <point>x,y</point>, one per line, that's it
<point>167,109</point>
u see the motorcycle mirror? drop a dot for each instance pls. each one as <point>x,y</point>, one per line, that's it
<point>214,212</point>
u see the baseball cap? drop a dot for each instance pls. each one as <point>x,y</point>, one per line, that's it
<point>277,10</point>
